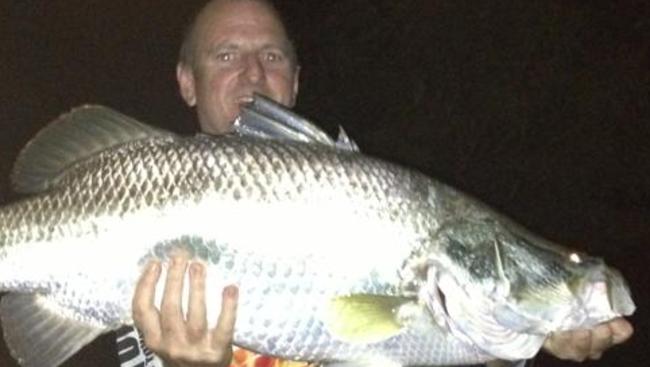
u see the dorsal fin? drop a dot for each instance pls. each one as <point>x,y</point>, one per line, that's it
<point>72,137</point>
<point>268,119</point>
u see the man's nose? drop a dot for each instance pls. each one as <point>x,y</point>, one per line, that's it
<point>253,69</point>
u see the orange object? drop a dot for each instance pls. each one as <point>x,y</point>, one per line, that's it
<point>239,356</point>
<point>264,361</point>
<point>244,358</point>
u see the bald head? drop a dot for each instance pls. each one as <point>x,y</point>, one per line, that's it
<point>187,54</point>
<point>233,50</point>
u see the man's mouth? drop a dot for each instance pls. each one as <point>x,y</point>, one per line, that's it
<point>245,99</point>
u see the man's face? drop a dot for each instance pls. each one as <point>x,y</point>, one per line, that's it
<point>241,48</point>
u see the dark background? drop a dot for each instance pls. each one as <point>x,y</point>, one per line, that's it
<point>539,108</point>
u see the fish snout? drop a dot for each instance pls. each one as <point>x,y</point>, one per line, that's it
<point>604,295</point>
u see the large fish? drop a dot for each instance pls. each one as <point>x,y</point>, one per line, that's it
<point>339,257</point>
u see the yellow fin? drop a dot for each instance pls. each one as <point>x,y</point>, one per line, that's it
<point>364,318</point>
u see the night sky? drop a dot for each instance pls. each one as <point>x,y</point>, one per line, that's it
<point>541,109</point>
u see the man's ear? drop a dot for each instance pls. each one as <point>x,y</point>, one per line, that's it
<point>186,85</point>
<point>296,85</point>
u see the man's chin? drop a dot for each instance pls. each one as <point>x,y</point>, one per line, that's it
<point>216,128</point>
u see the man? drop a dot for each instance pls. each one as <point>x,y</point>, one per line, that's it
<point>233,49</point>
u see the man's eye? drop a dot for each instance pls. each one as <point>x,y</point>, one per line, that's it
<point>225,56</point>
<point>273,56</point>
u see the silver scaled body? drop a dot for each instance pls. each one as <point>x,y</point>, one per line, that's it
<point>308,232</point>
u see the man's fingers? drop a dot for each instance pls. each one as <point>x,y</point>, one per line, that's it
<point>223,332</point>
<point>171,312</point>
<point>166,332</point>
<point>601,339</point>
<point>145,314</point>
<point>622,330</point>
<point>579,344</point>
<point>196,315</point>
<point>574,345</point>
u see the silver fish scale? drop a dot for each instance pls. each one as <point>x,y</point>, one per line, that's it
<point>305,336</point>
<point>286,280</point>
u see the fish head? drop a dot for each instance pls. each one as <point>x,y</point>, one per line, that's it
<point>556,287</point>
<point>498,287</point>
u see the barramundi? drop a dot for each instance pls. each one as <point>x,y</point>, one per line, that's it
<point>340,258</point>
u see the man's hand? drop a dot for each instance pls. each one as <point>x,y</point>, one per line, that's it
<point>178,341</point>
<point>580,345</point>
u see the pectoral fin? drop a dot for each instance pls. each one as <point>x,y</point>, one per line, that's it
<point>364,318</point>
<point>37,335</point>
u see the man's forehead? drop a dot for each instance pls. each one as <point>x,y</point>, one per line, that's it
<point>241,19</point>
<point>229,44</point>
<point>240,13</point>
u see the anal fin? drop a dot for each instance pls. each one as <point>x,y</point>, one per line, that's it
<point>365,362</point>
<point>38,336</point>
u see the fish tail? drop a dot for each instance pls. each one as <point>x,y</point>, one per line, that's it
<point>37,332</point>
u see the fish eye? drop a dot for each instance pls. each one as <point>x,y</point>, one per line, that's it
<point>575,258</point>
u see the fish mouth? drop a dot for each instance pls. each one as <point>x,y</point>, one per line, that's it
<point>619,293</point>
<point>602,295</point>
